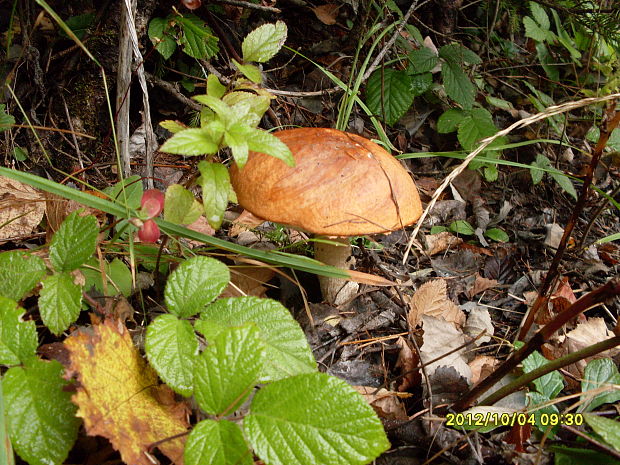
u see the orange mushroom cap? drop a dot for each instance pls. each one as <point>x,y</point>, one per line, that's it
<point>341,185</point>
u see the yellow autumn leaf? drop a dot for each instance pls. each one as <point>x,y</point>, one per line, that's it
<point>120,397</point>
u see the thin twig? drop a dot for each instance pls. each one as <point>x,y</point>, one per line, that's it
<point>250,6</point>
<point>174,91</point>
<point>598,444</point>
<point>484,143</point>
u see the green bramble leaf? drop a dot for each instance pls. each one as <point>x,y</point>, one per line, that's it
<point>395,88</point>
<point>565,183</point>
<point>258,105</point>
<point>548,385</point>
<point>190,142</point>
<point>214,87</point>
<point>420,83</point>
<point>540,162</point>
<point>287,349</point>
<point>216,189</point>
<point>450,119</point>
<point>215,104</point>
<point>606,428</point>
<point>60,302</point>
<point>477,125</point>
<point>119,280</point>
<point>535,399</point>
<point>278,419</point>
<point>127,192</point>
<point>74,242</point>
<point>197,39</point>
<point>20,154</point>
<point>458,86</point>
<point>249,71</point>
<point>599,373</point>
<point>458,54</point>
<point>194,284</point>
<point>79,25</point>
<point>19,273</point>
<point>18,338</point>
<point>172,349</point>
<point>228,369</point>
<point>422,60</point>
<point>40,416</point>
<point>217,443</point>
<point>161,38</point>
<point>180,206</point>
<point>265,142</point>
<point>264,42</point>
<point>173,126</point>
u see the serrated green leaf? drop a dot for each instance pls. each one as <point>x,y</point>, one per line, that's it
<point>462,227</point>
<point>215,104</point>
<point>6,120</point>
<point>533,30</point>
<point>490,172</point>
<point>497,235</point>
<point>217,443</point>
<point>265,142</point>
<point>180,206</point>
<point>74,242</point>
<point>172,349</point>
<point>39,413</point>
<point>599,373</point>
<point>336,423</point>
<point>228,369</point>
<point>20,154</point>
<point>422,60</point>
<point>457,54</point>
<point>477,125</point>
<point>18,338</point>
<point>160,37</point>
<point>548,385</point>
<point>190,142</point>
<point>395,89</point>
<point>287,350</point>
<point>565,183</point>
<point>173,126</point>
<point>264,42</point>
<point>215,183</point>
<point>258,105</point>
<point>420,83</point>
<point>458,86</point>
<point>194,284</point>
<point>214,87</point>
<point>127,192</point>
<point>449,120</point>
<point>606,428</point>
<point>197,39</point>
<point>19,273</point>
<point>251,72</point>
<point>539,15</point>
<point>60,302</point>
<point>236,141</point>
<point>438,229</point>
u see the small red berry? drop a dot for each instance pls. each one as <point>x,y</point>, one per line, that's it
<point>152,202</point>
<point>149,232</point>
<point>191,4</point>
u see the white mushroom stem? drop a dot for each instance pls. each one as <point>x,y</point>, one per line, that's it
<point>338,256</point>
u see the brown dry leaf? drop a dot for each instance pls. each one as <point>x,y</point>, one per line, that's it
<point>482,366</point>
<point>243,222</point>
<point>481,284</point>
<point>248,280</point>
<point>327,13</point>
<point>439,340</point>
<point>120,397</point>
<point>21,208</point>
<point>408,363</point>
<point>587,333</point>
<point>432,299</point>
<point>437,243</point>
<point>386,403</point>
<point>57,209</point>
<point>201,225</point>
<point>563,296</point>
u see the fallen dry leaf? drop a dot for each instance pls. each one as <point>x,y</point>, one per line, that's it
<point>327,13</point>
<point>440,242</point>
<point>478,320</point>
<point>481,367</point>
<point>481,284</point>
<point>432,299</point>
<point>585,334</point>
<point>243,222</point>
<point>248,280</point>
<point>119,395</point>
<point>408,364</point>
<point>440,338</point>
<point>201,225</point>
<point>21,208</point>
<point>386,403</point>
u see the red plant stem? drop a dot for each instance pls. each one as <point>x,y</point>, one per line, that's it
<point>613,119</point>
<point>597,296</point>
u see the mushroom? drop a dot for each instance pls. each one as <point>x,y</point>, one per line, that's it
<point>342,185</point>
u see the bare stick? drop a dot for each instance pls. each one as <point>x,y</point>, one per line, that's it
<point>251,6</point>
